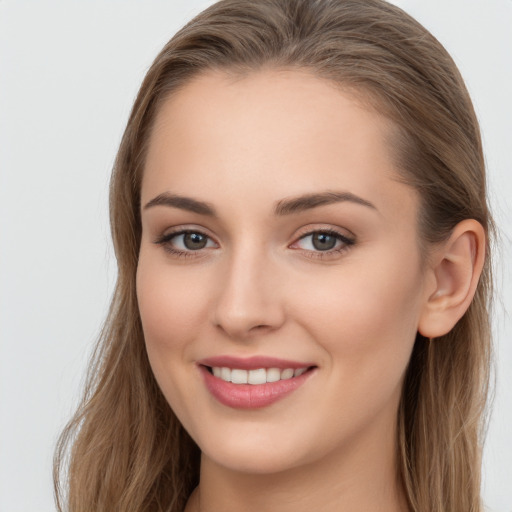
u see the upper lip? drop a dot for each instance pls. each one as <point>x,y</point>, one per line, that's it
<point>252,363</point>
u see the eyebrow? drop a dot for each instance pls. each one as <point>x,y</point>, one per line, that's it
<point>308,201</point>
<point>282,207</point>
<point>182,202</point>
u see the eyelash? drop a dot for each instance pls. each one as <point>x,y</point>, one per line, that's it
<point>346,243</point>
<point>166,239</point>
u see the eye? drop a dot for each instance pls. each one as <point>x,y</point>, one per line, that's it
<point>185,242</point>
<point>320,241</point>
<point>190,240</point>
<point>323,243</point>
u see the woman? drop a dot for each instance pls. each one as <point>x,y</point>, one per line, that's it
<point>301,314</point>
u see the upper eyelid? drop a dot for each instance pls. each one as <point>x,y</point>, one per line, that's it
<point>301,232</point>
<point>186,229</point>
<point>343,233</point>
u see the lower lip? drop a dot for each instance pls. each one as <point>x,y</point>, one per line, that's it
<point>251,396</point>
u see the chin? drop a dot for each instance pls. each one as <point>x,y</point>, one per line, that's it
<point>245,455</point>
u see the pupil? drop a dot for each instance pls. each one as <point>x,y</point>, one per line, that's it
<point>323,242</point>
<point>194,241</point>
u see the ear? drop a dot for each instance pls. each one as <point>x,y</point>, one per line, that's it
<point>456,267</point>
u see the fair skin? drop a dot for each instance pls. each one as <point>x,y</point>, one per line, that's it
<point>254,282</point>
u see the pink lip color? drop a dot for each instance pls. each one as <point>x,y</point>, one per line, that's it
<point>249,396</point>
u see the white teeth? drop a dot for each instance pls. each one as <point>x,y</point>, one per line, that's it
<point>273,374</point>
<point>225,374</point>
<point>239,376</point>
<point>259,376</point>
<point>287,374</point>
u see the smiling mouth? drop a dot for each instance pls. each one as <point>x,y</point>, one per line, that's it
<point>257,376</point>
<point>253,387</point>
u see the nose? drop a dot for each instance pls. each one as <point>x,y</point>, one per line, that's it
<point>249,299</point>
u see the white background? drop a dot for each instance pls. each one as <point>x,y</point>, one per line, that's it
<point>69,72</point>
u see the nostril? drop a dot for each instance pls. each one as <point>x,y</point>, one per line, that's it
<point>260,327</point>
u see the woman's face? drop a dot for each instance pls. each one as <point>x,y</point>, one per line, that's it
<point>300,252</point>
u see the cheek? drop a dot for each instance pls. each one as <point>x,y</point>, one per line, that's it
<point>349,305</point>
<point>172,313</point>
<point>366,322</point>
<point>170,305</point>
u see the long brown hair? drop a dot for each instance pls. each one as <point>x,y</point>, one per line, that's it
<point>124,449</point>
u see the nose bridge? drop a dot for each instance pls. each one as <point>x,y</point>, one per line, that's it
<point>248,299</point>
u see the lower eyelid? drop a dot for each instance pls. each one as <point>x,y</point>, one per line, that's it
<point>178,253</point>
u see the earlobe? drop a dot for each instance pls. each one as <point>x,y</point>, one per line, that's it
<point>456,267</point>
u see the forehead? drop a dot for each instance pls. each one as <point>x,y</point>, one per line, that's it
<point>278,132</point>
